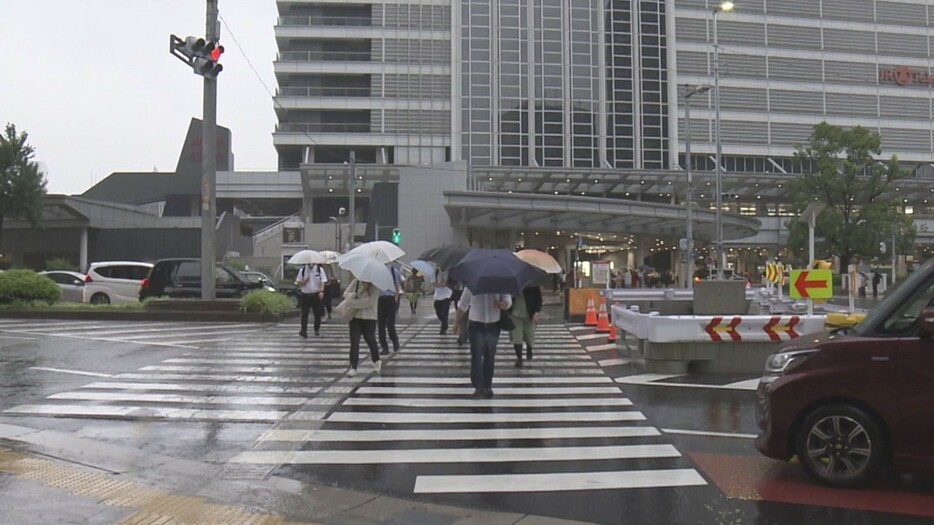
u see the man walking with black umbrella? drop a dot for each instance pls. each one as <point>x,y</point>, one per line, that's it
<point>483,332</point>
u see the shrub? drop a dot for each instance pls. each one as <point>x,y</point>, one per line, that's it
<point>236,264</point>
<point>26,286</point>
<point>60,263</point>
<point>265,302</point>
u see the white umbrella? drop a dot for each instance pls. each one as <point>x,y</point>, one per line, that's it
<point>330,257</point>
<point>383,251</point>
<point>368,269</point>
<point>306,257</point>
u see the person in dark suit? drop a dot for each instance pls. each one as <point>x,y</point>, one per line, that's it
<point>525,311</point>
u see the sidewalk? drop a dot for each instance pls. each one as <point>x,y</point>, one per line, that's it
<point>54,477</point>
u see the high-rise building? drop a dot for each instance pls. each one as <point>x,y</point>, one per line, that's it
<point>587,98</point>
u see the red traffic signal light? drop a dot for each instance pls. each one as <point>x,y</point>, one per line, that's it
<point>217,52</point>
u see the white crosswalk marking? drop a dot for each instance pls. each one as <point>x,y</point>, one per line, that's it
<point>205,384</point>
<point>557,413</point>
<point>165,334</point>
<point>559,418</point>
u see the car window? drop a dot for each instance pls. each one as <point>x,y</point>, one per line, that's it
<point>103,271</point>
<point>253,277</point>
<point>138,272</point>
<point>119,272</point>
<point>905,316</point>
<point>222,276</point>
<point>162,272</point>
<point>190,270</point>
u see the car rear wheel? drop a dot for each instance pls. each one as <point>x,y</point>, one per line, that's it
<point>841,446</point>
<point>100,298</point>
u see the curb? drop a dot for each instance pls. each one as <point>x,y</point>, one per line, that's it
<point>149,315</point>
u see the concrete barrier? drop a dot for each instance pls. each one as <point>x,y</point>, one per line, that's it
<point>706,343</point>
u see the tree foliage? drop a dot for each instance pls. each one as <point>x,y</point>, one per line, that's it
<point>841,169</point>
<point>22,186</point>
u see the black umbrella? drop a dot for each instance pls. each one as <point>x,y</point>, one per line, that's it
<point>494,271</point>
<point>445,256</point>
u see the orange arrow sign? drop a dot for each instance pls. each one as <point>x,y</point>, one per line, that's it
<point>813,284</point>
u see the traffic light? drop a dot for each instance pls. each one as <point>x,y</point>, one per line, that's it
<point>396,235</point>
<point>200,55</point>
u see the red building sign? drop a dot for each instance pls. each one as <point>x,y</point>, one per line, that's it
<point>906,76</point>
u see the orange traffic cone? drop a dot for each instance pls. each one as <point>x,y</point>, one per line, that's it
<point>603,320</point>
<point>591,318</point>
<point>612,337</point>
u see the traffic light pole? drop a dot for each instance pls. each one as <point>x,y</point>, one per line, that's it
<point>209,167</point>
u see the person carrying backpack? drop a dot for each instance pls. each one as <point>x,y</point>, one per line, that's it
<point>311,281</point>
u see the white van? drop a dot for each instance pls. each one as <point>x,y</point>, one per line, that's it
<point>114,281</point>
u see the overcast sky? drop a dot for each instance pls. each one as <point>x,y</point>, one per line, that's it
<point>93,84</point>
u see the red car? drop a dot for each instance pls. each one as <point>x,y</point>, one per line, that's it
<point>853,400</point>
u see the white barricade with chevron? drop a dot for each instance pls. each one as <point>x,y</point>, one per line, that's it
<point>714,328</point>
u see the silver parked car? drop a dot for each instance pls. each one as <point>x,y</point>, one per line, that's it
<point>71,283</point>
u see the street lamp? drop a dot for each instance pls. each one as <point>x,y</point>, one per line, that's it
<point>337,232</point>
<point>689,197</point>
<point>725,6</point>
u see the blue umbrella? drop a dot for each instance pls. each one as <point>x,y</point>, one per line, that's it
<point>494,271</point>
<point>425,267</point>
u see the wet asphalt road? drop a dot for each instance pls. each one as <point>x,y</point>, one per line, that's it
<point>228,396</point>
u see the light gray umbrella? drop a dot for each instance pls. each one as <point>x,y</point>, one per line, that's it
<point>306,257</point>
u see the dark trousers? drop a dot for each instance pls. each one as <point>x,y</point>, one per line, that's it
<point>311,302</point>
<point>367,328</point>
<point>483,341</point>
<point>386,310</point>
<point>442,309</point>
<point>462,329</point>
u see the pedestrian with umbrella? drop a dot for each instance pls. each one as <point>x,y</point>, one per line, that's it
<point>527,306</point>
<point>490,278</point>
<point>360,304</point>
<point>387,308</point>
<point>413,288</point>
<point>442,298</point>
<point>311,280</point>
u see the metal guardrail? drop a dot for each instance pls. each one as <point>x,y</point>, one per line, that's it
<point>659,294</point>
<point>274,229</point>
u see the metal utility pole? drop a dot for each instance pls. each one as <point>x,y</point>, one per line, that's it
<point>721,259</point>
<point>353,197</point>
<point>209,166</point>
<point>689,267</point>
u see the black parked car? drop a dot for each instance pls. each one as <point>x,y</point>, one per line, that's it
<point>181,278</point>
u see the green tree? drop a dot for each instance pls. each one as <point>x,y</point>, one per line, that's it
<point>841,169</point>
<point>22,186</point>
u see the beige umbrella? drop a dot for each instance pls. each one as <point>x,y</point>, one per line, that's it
<point>540,260</point>
<point>330,257</point>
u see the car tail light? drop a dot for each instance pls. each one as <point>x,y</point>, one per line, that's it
<point>144,283</point>
<point>87,278</point>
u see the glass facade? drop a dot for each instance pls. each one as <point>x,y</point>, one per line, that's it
<point>552,83</point>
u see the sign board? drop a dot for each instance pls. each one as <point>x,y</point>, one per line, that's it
<point>601,272</point>
<point>811,284</point>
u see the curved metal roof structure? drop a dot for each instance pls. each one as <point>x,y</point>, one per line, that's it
<point>503,211</point>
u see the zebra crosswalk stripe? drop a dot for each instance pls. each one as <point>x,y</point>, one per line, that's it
<point>558,481</point>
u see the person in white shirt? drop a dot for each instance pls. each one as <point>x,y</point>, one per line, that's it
<point>387,307</point>
<point>442,296</point>
<point>311,280</point>
<point>483,332</point>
